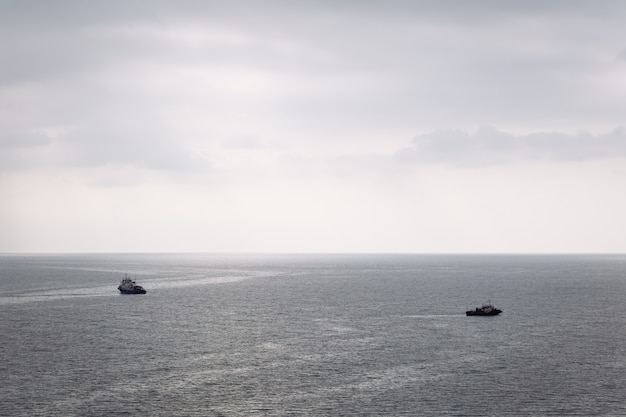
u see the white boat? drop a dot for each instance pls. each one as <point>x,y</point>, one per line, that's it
<point>128,286</point>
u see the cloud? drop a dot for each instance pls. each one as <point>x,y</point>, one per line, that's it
<point>489,146</point>
<point>23,139</point>
<point>292,105</point>
<point>322,66</point>
<point>21,149</point>
<point>97,145</point>
<point>151,147</point>
<point>240,141</point>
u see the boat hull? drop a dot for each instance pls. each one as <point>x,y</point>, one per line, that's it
<point>494,312</point>
<point>133,291</point>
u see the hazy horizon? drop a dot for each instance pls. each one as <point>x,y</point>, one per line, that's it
<point>435,254</point>
<point>313,127</point>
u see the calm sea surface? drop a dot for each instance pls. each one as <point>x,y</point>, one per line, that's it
<point>317,335</point>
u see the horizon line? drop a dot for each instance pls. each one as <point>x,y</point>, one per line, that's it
<point>243,253</point>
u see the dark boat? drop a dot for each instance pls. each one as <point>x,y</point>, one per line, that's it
<point>485,310</point>
<point>128,286</point>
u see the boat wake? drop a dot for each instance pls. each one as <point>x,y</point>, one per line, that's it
<point>432,316</point>
<point>110,290</point>
<point>198,280</point>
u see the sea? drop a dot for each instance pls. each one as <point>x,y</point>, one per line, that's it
<point>312,335</point>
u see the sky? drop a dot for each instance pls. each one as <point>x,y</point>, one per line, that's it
<point>313,126</point>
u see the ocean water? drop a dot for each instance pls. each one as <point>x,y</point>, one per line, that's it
<point>312,335</point>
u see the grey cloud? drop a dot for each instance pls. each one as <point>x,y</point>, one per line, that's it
<point>22,139</point>
<point>346,66</point>
<point>143,147</point>
<point>68,38</point>
<point>98,145</point>
<point>21,150</point>
<point>489,146</point>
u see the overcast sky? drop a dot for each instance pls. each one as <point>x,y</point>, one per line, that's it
<point>313,126</point>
